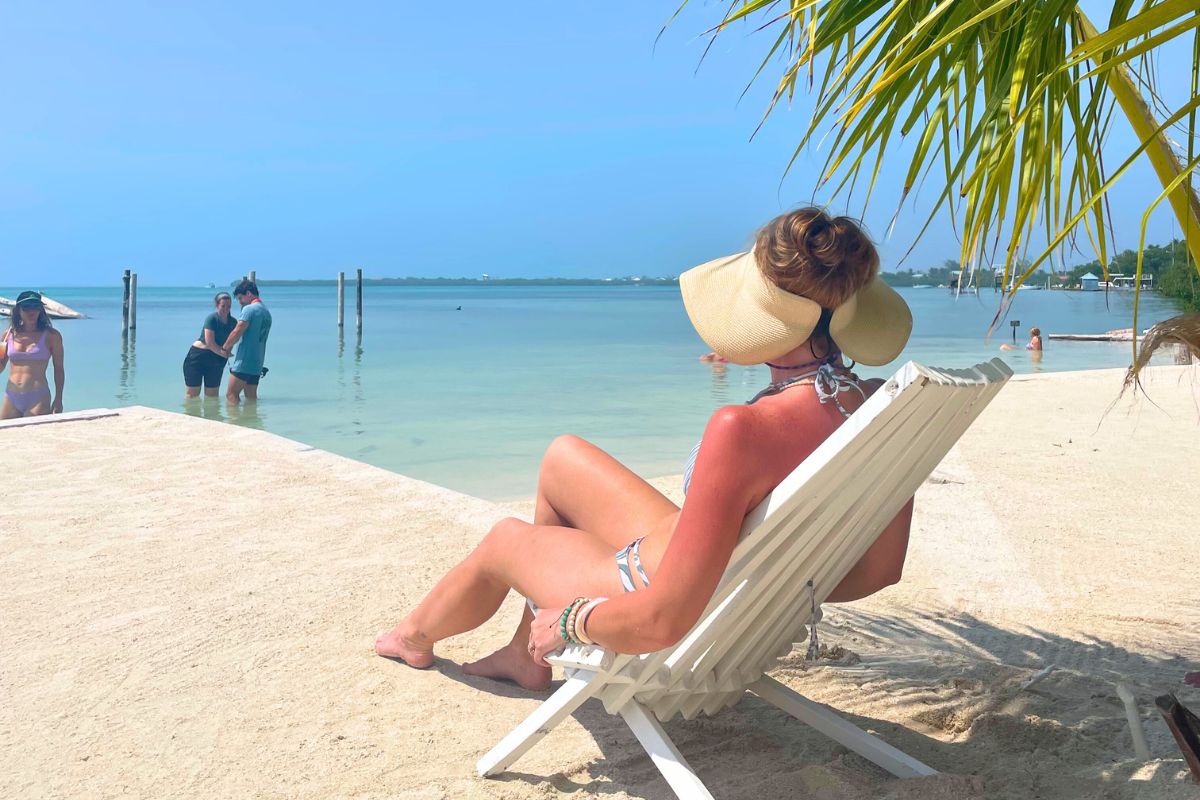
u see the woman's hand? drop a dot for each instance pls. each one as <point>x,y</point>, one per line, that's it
<point>544,636</point>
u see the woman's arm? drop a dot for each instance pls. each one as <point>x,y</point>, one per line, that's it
<point>724,486</point>
<point>4,351</point>
<point>210,341</point>
<point>60,374</point>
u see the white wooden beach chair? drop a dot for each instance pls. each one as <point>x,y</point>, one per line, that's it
<point>795,547</point>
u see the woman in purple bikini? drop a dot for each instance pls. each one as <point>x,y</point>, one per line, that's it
<point>30,343</point>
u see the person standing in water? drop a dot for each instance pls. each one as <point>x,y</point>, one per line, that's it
<point>205,360</point>
<point>250,336</point>
<point>29,345</point>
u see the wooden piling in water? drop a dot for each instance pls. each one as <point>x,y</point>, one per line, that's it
<point>253,276</point>
<point>125,301</point>
<point>133,301</point>
<point>341,299</point>
<point>358,300</point>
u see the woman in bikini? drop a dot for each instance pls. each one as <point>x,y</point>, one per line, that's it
<point>608,559</point>
<point>30,343</point>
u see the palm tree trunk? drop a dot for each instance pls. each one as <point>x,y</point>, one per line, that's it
<point>1166,164</point>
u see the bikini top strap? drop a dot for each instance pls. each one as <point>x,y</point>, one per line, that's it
<point>828,384</point>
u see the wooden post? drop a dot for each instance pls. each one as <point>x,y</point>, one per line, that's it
<point>253,277</point>
<point>341,299</point>
<point>133,301</point>
<point>125,302</point>
<point>358,300</point>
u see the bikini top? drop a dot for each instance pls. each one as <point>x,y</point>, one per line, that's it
<point>827,382</point>
<point>39,352</point>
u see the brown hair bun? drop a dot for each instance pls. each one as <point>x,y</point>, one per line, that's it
<point>809,253</point>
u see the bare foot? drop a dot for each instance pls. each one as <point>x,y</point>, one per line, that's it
<point>396,644</point>
<point>511,663</point>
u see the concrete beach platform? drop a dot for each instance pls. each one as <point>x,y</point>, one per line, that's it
<point>188,609</point>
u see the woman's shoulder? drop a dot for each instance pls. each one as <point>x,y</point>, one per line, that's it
<point>731,426</point>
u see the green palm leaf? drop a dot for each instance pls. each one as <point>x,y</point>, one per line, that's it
<point>1012,99</point>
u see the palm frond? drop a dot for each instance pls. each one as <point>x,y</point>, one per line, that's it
<point>1013,100</point>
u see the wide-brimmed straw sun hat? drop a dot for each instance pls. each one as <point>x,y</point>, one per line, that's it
<point>746,318</point>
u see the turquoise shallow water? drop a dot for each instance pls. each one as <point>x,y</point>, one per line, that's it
<point>469,399</point>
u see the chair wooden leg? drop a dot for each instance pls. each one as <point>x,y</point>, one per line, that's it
<point>544,718</point>
<point>679,774</point>
<point>822,719</point>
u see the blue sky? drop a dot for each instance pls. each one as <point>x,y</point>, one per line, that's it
<point>196,142</point>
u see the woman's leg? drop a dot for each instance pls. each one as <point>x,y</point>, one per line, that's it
<point>584,488</point>
<point>8,410</point>
<point>41,407</point>
<point>552,565</point>
<point>192,375</point>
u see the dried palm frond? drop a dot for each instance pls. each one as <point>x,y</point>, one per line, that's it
<point>1183,331</point>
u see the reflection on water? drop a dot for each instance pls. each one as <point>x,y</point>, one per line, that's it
<point>357,397</point>
<point>218,409</point>
<point>731,383</point>
<point>246,414</point>
<point>204,407</point>
<point>720,383</point>
<point>128,371</point>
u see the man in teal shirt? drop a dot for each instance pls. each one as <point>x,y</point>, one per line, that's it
<point>250,336</point>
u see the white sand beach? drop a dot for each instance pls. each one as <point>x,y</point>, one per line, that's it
<point>188,608</point>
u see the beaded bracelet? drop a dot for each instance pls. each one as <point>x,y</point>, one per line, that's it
<point>581,619</point>
<point>566,622</point>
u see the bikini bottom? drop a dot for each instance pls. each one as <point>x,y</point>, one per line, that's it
<point>629,554</point>
<point>23,401</point>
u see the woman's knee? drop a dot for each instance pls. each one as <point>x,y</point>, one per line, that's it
<point>505,534</point>
<point>567,447</point>
<point>494,554</point>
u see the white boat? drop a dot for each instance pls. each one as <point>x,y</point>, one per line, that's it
<point>54,309</point>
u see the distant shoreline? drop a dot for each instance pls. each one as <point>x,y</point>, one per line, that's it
<point>478,282</point>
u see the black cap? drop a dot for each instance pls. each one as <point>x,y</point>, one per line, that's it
<point>29,298</point>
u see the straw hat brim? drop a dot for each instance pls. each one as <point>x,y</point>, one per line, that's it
<point>748,319</point>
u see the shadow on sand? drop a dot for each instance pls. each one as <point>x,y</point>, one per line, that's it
<point>948,691</point>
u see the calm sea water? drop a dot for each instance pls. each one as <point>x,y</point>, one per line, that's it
<point>469,399</point>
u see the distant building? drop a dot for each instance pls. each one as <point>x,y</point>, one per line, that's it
<point>1089,282</point>
<point>486,276</point>
<point>1129,282</point>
